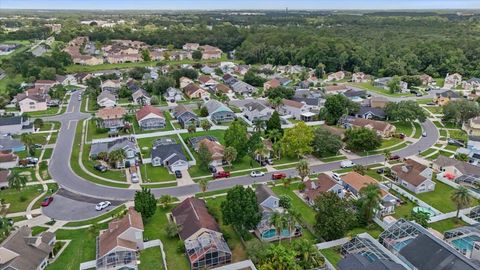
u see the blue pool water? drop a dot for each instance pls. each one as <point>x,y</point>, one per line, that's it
<point>466,243</point>
<point>398,246</point>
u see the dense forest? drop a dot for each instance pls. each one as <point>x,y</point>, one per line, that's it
<point>382,43</point>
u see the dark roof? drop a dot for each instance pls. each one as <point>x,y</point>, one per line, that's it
<point>449,93</point>
<point>359,262</point>
<point>379,112</point>
<point>173,150</point>
<point>354,93</point>
<point>263,192</point>
<point>426,253</point>
<point>194,141</point>
<point>192,215</point>
<point>12,120</point>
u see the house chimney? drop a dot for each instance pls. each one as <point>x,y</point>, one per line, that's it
<point>405,169</point>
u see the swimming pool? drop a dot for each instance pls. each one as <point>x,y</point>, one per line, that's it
<point>417,209</point>
<point>398,246</point>
<point>465,244</point>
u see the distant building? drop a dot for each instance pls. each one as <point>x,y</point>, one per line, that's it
<point>452,81</point>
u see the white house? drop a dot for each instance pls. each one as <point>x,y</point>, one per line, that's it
<point>106,99</point>
<point>414,176</point>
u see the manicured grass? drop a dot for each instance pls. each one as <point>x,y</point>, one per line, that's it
<point>439,198</point>
<point>19,200</point>
<point>27,172</point>
<point>82,248</point>
<point>443,133</point>
<point>404,127</point>
<point>48,112</point>
<point>451,147</point>
<point>151,258</point>
<point>447,224</point>
<point>434,109</point>
<point>154,229</point>
<point>404,210</point>
<point>48,153</point>
<point>218,134</point>
<point>117,175</point>
<point>423,101</point>
<point>380,151</point>
<point>155,174</point>
<point>159,185</point>
<point>110,213</point>
<point>428,152</point>
<point>458,135</point>
<point>373,229</point>
<point>233,241</point>
<point>418,130</point>
<point>386,143</point>
<point>438,124</point>
<point>211,193</point>
<point>285,159</point>
<point>333,255</point>
<point>37,230</point>
<point>439,145</point>
<point>368,86</point>
<point>332,159</point>
<point>308,214</point>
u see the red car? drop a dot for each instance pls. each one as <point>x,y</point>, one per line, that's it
<point>221,175</point>
<point>47,201</point>
<point>278,176</point>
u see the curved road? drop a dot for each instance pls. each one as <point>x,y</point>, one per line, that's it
<point>61,172</point>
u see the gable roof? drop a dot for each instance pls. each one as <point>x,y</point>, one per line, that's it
<point>292,103</point>
<point>410,171</point>
<point>333,88</point>
<point>375,111</point>
<point>111,113</point>
<point>168,150</point>
<point>254,106</point>
<point>214,105</point>
<point>314,187</point>
<point>109,238</point>
<point>146,110</point>
<point>463,167</point>
<point>358,181</point>
<point>105,94</point>
<point>360,262</point>
<point>376,125</point>
<point>192,215</point>
<point>191,89</point>
<point>11,120</point>
<point>263,192</point>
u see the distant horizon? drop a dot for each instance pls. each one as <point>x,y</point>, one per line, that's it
<point>217,5</point>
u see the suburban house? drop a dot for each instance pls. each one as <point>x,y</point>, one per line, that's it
<point>413,176</point>
<point>194,91</point>
<point>210,52</point>
<point>168,153</point>
<point>207,70</point>
<point>173,94</point>
<point>33,100</point>
<point>111,118</point>
<point>206,81</point>
<point>472,126</point>
<point>334,89</point>
<point>8,160</point>
<point>218,112</point>
<point>336,76</point>
<point>47,84</point>
<point>180,55</point>
<point>455,170</point>
<point>190,46</point>
<point>243,88</point>
<point>368,112</point>
<point>150,117</point>
<point>22,250</point>
<point>360,77</point>
<point>7,143</point>
<point>184,81</point>
<point>185,116</point>
<point>106,99</point>
<point>383,83</point>
<point>118,245</point>
<point>269,203</point>
<point>111,85</point>
<point>378,102</point>
<point>204,243</point>
<point>313,98</point>
<point>256,111</point>
<point>299,110</point>
<point>214,147</point>
<point>141,97</point>
<point>241,69</point>
<point>426,79</point>
<point>471,84</point>
<point>128,146</point>
<point>452,81</point>
<point>271,84</point>
<point>323,183</point>
<point>355,95</point>
<point>221,88</point>
<point>229,79</point>
<point>443,98</point>
<point>383,129</point>
<point>353,182</point>
<point>15,125</point>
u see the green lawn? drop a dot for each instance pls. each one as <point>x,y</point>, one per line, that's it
<point>308,214</point>
<point>332,159</point>
<point>48,153</point>
<point>154,229</point>
<point>19,200</point>
<point>434,109</point>
<point>155,174</point>
<point>368,86</point>
<point>438,124</point>
<point>404,127</point>
<point>451,147</point>
<point>117,175</point>
<point>439,198</point>
<point>404,210</point>
<point>38,229</point>
<point>373,229</point>
<point>443,133</point>
<point>428,152</point>
<point>386,143</point>
<point>458,135</point>
<point>82,248</point>
<point>447,224</point>
<point>110,213</point>
<point>218,134</point>
<point>418,130</point>
<point>48,112</point>
<point>333,255</point>
<point>151,258</point>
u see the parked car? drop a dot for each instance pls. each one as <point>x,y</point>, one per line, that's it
<point>278,176</point>
<point>257,174</point>
<point>394,157</point>
<point>178,174</point>
<point>37,145</point>
<point>336,176</point>
<point>221,174</point>
<point>455,142</point>
<point>424,134</point>
<point>418,94</point>
<point>431,103</point>
<point>102,205</point>
<point>134,178</point>
<point>32,160</point>
<point>212,169</point>
<point>100,168</point>
<point>380,171</point>
<point>401,136</point>
<point>347,164</point>
<point>46,202</point>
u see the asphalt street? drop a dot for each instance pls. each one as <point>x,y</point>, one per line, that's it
<point>61,172</point>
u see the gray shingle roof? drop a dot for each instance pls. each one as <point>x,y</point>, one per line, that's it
<point>263,192</point>
<point>359,262</point>
<point>164,150</point>
<point>108,147</point>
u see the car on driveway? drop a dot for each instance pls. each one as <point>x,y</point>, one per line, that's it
<point>221,174</point>
<point>212,169</point>
<point>178,174</point>
<point>347,164</point>
<point>257,174</point>
<point>134,178</point>
<point>278,176</point>
<point>100,168</point>
<point>46,202</point>
<point>336,176</point>
<point>102,205</point>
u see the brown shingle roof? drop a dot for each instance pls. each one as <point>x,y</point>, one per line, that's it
<point>214,147</point>
<point>332,88</point>
<point>376,125</point>
<point>192,215</point>
<point>323,184</point>
<point>222,88</point>
<point>7,156</point>
<point>358,181</point>
<point>146,110</point>
<point>410,172</point>
<point>191,88</point>
<point>111,113</point>
<point>292,103</point>
<point>462,166</point>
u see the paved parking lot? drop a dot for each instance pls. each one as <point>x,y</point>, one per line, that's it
<point>70,207</point>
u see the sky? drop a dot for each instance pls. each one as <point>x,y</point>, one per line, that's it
<point>243,4</point>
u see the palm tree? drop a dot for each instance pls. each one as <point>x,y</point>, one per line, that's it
<point>310,257</point>
<point>461,198</point>
<point>261,151</point>
<point>370,199</point>
<point>275,135</point>
<point>292,217</point>
<point>230,154</point>
<point>203,183</point>
<point>116,157</point>
<point>258,125</point>
<point>5,227</point>
<point>206,125</point>
<point>387,154</point>
<point>165,200</point>
<point>192,128</point>
<point>277,220</point>
<point>28,140</point>
<point>303,168</point>
<point>17,181</point>
<point>286,182</point>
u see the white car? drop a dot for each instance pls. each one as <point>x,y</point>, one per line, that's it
<point>256,174</point>
<point>134,178</point>
<point>102,205</point>
<point>336,176</point>
<point>347,164</point>
<point>424,134</point>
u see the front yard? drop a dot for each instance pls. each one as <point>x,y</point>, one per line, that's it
<point>20,199</point>
<point>152,174</point>
<point>167,127</point>
<point>81,249</point>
